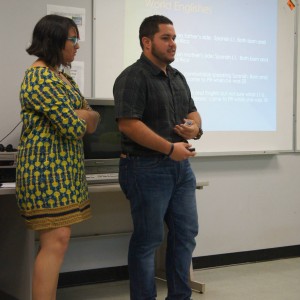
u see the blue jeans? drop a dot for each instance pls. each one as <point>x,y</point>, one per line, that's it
<point>160,190</point>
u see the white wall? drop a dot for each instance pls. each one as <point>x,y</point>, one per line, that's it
<point>251,203</point>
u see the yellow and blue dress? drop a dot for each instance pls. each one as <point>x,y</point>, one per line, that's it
<point>51,187</point>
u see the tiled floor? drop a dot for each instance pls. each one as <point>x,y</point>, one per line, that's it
<point>272,280</point>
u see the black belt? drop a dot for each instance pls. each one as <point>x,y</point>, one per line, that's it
<point>148,155</point>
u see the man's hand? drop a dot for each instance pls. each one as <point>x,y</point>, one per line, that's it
<point>181,151</point>
<point>188,130</point>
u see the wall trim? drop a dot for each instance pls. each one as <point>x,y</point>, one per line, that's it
<point>226,259</point>
<point>118,273</point>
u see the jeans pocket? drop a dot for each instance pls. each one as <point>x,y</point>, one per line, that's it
<point>147,162</point>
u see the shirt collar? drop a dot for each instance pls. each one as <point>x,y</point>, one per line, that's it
<point>155,70</point>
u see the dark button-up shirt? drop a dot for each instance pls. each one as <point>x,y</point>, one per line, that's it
<point>143,91</point>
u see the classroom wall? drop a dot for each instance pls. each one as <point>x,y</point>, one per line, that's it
<point>252,202</point>
<point>16,25</point>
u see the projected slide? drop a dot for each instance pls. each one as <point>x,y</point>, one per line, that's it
<point>228,59</point>
<point>237,56</point>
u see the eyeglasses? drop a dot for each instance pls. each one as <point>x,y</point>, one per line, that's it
<point>74,40</point>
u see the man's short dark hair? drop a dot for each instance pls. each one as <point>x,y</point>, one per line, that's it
<point>49,38</point>
<point>150,26</point>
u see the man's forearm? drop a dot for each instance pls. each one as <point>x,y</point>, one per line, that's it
<point>137,131</point>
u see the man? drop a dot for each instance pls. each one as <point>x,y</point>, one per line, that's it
<point>156,116</point>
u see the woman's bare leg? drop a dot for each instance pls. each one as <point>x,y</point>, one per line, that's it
<point>53,246</point>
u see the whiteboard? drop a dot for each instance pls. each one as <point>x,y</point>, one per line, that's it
<point>229,126</point>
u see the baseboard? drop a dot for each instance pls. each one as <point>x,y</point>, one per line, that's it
<point>245,257</point>
<point>75,278</point>
<point>68,279</point>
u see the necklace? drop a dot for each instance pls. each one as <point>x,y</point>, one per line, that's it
<point>56,71</point>
<point>62,77</point>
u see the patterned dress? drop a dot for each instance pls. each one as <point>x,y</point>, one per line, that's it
<point>51,187</point>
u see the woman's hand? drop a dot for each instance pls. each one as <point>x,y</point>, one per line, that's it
<point>91,118</point>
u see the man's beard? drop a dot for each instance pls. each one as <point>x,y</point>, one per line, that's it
<point>160,56</point>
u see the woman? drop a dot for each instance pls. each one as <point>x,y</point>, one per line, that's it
<point>51,188</point>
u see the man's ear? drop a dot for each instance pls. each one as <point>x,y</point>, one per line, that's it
<point>146,42</point>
